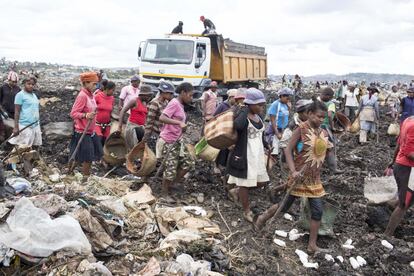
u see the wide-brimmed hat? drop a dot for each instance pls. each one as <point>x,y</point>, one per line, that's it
<point>411,89</point>
<point>146,89</point>
<point>166,87</point>
<point>241,93</point>
<point>285,91</point>
<point>135,78</point>
<point>254,96</point>
<point>231,92</point>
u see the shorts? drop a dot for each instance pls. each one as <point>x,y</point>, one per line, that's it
<point>159,148</point>
<point>90,148</point>
<point>405,194</point>
<point>177,157</point>
<point>316,206</point>
<point>31,136</point>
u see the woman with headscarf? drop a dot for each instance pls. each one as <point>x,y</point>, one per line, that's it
<point>247,164</point>
<point>83,114</point>
<point>134,131</point>
<point>368,114</point>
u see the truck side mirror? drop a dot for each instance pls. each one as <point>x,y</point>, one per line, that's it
<point>139,52</point>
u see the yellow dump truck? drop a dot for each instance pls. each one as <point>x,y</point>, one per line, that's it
<point>198,59</point>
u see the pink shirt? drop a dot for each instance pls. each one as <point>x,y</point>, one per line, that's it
<point>210,104</point>
<point>174,110</point>
<point>128,93</point>
<point>84,103</point>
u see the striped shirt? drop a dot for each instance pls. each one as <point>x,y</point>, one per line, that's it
<point>155,108</point>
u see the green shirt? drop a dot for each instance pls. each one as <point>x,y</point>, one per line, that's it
<point>331,107</point>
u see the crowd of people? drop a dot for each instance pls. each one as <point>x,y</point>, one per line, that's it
<point>298,132</point>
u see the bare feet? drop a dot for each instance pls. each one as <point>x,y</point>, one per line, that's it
<point>263,218</point>
<point>248,216</point>
<point>315,250</point>
<point>234,195</point>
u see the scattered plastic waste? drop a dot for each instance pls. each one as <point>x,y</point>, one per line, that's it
<point>340,258</point>
<point>386,244</point>
<point>281,233</point>
<point>288,216</point>
<point>361,261</point>
<point>304,259</point>
<point>348,244</point>
<point>329,258</point>
<point>354,263</point>
<point>279,242</point>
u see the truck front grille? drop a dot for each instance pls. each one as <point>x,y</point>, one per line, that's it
<point>165,78</point>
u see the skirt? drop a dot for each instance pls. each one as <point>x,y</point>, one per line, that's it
<point>90,148</point>
<point>31,136</point>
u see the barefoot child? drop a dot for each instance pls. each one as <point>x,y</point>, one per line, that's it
<point>305,170</point>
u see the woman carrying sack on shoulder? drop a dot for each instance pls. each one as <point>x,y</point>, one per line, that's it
<point>368,114</point>
<point>247,164</point>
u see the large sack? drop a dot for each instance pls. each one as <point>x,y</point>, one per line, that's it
<point>219,131</point>
<point>393,129</point>
<point>142,154</point>
<point>115,149</point>
<point>355,127</point>
<point>206,152</point>
<point>380,189</point>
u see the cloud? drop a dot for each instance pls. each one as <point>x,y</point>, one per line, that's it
<point>301,36</point>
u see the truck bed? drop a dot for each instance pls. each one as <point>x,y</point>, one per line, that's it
<point>241,48</point>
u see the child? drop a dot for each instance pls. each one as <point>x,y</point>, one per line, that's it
<point>26,112</point>
<point>83,112</point>
<point>305,164</point>
<point>105,103</point>
<point>178,160</point>
<point>247,165</point>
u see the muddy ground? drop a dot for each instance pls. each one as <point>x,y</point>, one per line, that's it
<point>252,253</point>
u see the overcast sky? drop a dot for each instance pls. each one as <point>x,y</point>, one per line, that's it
<point>301,36</point>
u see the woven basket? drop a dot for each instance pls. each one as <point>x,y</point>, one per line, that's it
<point>115,149</point>
<point>355,127</point>
<point>148,160</point>
<point>219,131</point>
<point>206,152</point>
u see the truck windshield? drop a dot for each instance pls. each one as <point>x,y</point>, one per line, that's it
<point>169,51</point>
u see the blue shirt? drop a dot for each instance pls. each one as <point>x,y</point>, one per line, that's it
<point>29,110</point>
<point>283,118</point>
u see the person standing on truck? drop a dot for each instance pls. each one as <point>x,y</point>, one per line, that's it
<point>179,28</point>
<point>209,101</point>
<point>155,108</point>
<point>209,26</point>
<point>128,93</point>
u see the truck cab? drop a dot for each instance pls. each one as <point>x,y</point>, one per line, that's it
<point>175,58</point>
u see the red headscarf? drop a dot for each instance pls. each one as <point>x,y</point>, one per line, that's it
<point>89,77</point>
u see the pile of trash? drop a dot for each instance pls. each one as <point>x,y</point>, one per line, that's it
<point>74,226</point>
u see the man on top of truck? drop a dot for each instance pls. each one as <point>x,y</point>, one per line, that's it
<point>179,28</point>
<point>208,25</point>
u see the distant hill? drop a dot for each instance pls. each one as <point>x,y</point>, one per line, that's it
<point>358,77</point>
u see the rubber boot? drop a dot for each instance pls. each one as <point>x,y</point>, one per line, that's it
<point>332,163</point>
